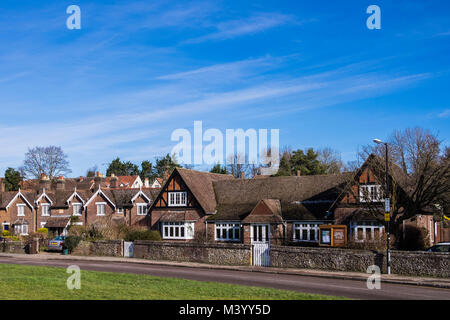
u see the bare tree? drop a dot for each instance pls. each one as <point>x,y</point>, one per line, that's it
<point>331,159</point>
<point>236,163</point>
<point>51,161</point>
<point>419,171</point>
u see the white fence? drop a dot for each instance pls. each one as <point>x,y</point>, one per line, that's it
<point>261,254</point>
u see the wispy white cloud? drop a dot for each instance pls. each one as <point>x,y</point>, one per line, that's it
<point>444,114</point>
<point>246,26</point>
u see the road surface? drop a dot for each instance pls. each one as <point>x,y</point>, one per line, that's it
<point>335,287</point>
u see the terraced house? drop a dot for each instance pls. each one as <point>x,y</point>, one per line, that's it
<point>53,204</point>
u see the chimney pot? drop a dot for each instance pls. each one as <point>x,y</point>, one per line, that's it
<point>299,173</point>
<point>242,175</point>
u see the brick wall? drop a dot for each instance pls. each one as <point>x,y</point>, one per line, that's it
<point>223,253</point>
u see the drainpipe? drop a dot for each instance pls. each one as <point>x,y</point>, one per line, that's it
<point>206,232</point>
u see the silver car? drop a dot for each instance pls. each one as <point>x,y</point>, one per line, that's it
<point>56,244</point>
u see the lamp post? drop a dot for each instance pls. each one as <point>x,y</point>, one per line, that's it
<point>387,208</point>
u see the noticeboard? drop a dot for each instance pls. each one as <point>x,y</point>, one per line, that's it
<point>333,235</point>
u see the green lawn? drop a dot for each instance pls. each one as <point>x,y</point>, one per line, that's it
<point>34,282</point>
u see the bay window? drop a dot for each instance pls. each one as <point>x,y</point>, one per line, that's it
<point>177,230</point>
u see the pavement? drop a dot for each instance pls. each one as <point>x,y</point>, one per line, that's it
<point>346,284</point>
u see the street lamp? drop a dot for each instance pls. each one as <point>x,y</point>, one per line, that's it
<point>387,206</point>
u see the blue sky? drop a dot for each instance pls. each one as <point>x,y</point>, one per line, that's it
<point>137,70</point>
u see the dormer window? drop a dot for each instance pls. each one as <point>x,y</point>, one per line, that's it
<point>45,210</point>
<point>177,199</point>
<point>101,206</point>
<point>370,193</point>
<point>141,209</point>
<point>21,210</point>
<point>77,209</point>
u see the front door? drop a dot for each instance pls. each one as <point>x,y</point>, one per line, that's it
<point>260,233</point>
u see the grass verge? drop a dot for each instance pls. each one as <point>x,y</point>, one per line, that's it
<point>49,283</point>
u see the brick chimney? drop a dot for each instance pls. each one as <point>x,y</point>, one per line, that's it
<point>97,180</point>
<point>242,175</point>
<point>146,183</point>
<point>60,184</point>
<point>45,182</point>
<point>299,173</point>
<point>113,181</point>
<point>2,185</point>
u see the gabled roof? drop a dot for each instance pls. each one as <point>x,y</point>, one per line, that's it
<point>267,210</point>
<point>140,193</point>
<point>104,194</point>
<point>26,196</point>
<point>43,194</point>
<point>75,194</point>
<point>200,184</point>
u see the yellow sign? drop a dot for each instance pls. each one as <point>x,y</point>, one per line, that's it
<point>387,217</point>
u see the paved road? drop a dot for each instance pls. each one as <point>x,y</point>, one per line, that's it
<point>336,287</point>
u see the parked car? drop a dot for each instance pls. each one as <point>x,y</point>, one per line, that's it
<point>440,247</point>
<point>56,244</point>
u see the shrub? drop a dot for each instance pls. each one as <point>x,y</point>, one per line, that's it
<point>413,238</point>
<point>13,238</point>
<point>71,242</point>
<point>6,233</point>
<point>43,231</point>
<point>78,231</point>
<point>142,235</point>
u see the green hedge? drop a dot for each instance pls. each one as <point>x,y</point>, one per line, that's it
<point>143,235</point>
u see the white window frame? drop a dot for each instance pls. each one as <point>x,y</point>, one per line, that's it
<point>21,229</point>
<point>305,227</point>
<point>45,212</point>
<point>261,231</point>
<point>80,206</point>
<point>101,205</point>
<point>367,227</point>
<point>139,206</point>
<point>177,199</point>
<point>370,193</point>
<point>119,211</point>
<point>224,228</point>
<point>19,209</point>
<point>177,230</point>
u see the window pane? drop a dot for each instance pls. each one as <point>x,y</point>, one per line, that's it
<point>182,231</point>
<point>304,235</point>
<point>360,234</point>
<point>218,233</point>
<point>377,233</point>
<point>176,231</point>
<point>236,233</point>
<point>312,235</point>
